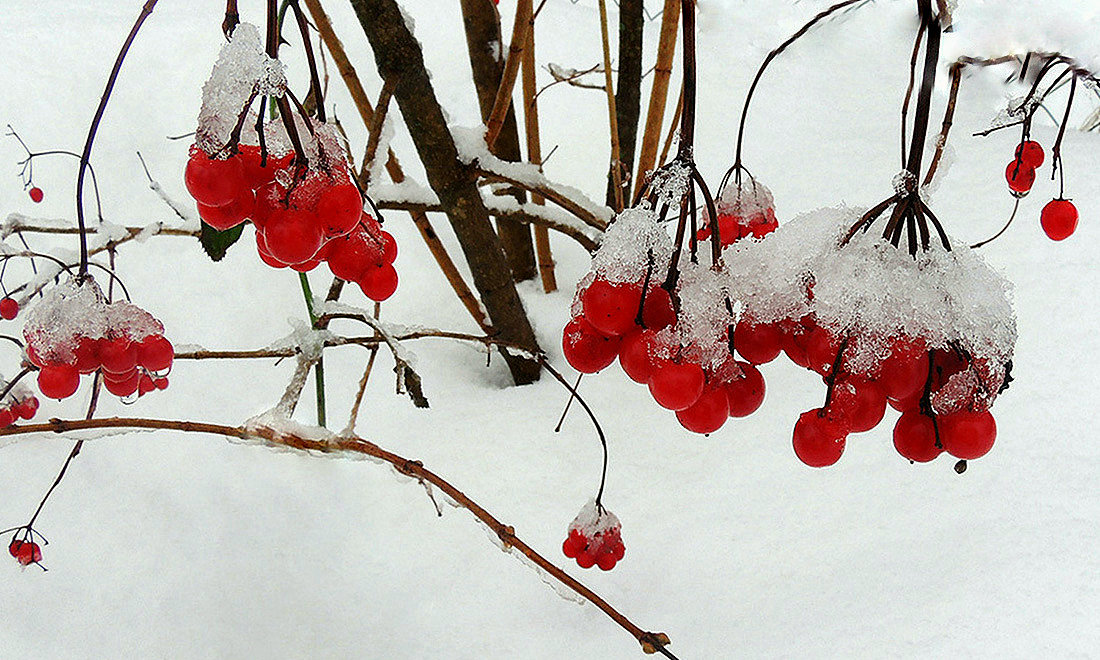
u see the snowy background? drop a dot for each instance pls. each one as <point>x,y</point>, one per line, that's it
<point>189,546</point>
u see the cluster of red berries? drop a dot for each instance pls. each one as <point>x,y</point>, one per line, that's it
<point>943,395</point>
<point>75,331</point>
<point>595,539</point>
<point>742,211</point>
<point>25,552</point>
<point>22,408</point>
<point>302,217</point>
<point>9,308</point>
<point>1059,217</point>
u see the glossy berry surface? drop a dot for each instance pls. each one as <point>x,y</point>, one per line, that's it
<point>967,435</point>
<point>1058,218</point>
<point>1020,178</point>
<point>1031,154</point>
<point>818,441</point>
<point>915,437</point>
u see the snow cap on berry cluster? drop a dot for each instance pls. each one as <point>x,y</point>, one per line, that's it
<point>127,318</point>
<point>591,521</point>
<point>706,312</point>
<point>875,290</point>
<point>65,313</point>
<point>242,70</point>
<point>624,254</point>
<point>670,183</point>
<point>745,200</point>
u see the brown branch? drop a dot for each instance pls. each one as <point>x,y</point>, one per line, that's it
<point>374,132</point>
<point>613,119</point>
<point>511,70</point>
<point>948,118</point>
<point>534,156</point>
<point>658,96</point>
<point>673,126</point>
<point>353,445</point>
<point>628,88</point>
<point>548,192</point>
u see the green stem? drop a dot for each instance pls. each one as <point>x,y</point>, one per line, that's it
<point>319,370</point>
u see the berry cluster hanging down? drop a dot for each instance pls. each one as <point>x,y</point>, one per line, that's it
<point>74,330</point>
<point>595,538</point>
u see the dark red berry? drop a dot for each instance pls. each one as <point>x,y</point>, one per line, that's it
<point>747,393</point>
<point>818,440</point>
<point>611,308</point>
<point>36,194</point>
<point>9,308</point>
<point>585,348</point>
<point>25,552</point>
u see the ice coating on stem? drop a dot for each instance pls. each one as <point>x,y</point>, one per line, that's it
<point>243,69</point>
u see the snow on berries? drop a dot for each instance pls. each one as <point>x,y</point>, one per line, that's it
<point>595,538</point>
<point>932,334</point>
<point>306,207</point>
<point>18,403</point>
<point>74,330</point>
<point>744,209</point>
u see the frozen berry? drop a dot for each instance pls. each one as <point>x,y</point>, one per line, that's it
<point>58,381</point>
<point>676,385</point>
<point>585,348</point>
<point>611,308</point>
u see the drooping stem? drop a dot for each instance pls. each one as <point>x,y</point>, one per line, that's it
<point>86,154</point>
<point>928,82</point>
<point>771,56</point>
<point>319,368</point>
<point>658,95</point>
<point>314,77</point>
<point>687,118</point>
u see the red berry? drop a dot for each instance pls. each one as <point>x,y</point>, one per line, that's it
<point>255,175</point>
<point>1059,221</point>
<point>161,383</point>
<point>229,215</point>
<point>657,311</point>
<point>637,356</point>
<point>676,385</point>
<point>611,308</point>
<point>1020,178</point>
<point>122,385</point>
<point>915,437</point>
<point>389,247</point>
<point>586,560</point>
<point>36,194</point>
<point>118,356</point>
<point>747,393</point>
<point>213,182</point>
<point>574,544</point>
<point>9,308</point>
<point>905,372</point>
<point>349,257</point>
<point>858,405</point>
<point>155,353</point>
<point>585,348</point>
<point>905,405</point>
<point>818,440</point>
<point>821,348</point>
<point>759,343</point>
<point>58,381</point>
<point>26,408</point>
<point>967,435</point>
<point>292,236</point>
<point>7,417</point>
<point>706,415</point>
<point>86,354</point>
<point>1031,154</point>
<point>606,562</point>
<point>145,385</point>
<point>339,209</point>
<point>25,552</point>
<point>378,282</point>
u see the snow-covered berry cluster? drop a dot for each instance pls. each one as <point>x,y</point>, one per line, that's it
<point>743,210</point>
<point>74,330</point>
<point>595,538</point>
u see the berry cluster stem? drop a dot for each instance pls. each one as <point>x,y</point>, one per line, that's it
<point>319,368</point>
<point>86,154</point>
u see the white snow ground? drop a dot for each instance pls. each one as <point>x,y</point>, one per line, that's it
<point>165,545</point>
